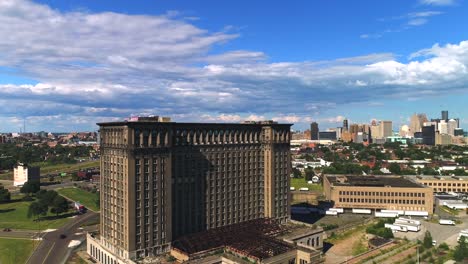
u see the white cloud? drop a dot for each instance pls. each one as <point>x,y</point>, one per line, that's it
<point>417,22</point>
<point>99,66</point>
<point>437,2</point>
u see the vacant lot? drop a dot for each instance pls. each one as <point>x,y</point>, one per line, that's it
<point>302,183</point>
<point>88,199</point>
<point>347,245</point>
<point>15,250</point>
<point>14,215</point>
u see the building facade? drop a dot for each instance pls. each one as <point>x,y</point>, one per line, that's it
<point>23,173</point>
<point>378,192</point>
<point>314,131</point>
<point>444,183</point>
<point>162,180</point>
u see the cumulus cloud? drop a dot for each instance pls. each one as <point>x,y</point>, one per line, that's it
<point>103,66</point>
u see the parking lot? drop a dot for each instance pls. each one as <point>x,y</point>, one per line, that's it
<point>440,233</point>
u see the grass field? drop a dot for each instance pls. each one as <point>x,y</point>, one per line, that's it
<point>14,215</point>
<point>15,250</point>
<point>57,168</point>
<point>85,198</point>
<point>302,183</point>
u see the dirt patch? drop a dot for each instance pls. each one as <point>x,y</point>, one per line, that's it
<point>342,250</point>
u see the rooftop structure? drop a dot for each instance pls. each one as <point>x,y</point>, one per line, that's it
<point>372,181</point>
<point>261,241</point>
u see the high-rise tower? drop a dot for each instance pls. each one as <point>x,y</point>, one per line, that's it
<point>163,180</point>
<point>314,131</point>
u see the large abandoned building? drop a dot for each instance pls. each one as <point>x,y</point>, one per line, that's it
<point>162,180</point>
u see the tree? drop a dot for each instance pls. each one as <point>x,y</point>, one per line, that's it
<point>395,168</point>
<point>461,250</point>
<point>37,209</point>
<point>30,187</point>
<point>59,205</point>
<point>46,197</point>
<point>427,241</point>
<point>296,173</point>
<point>309,173</point>
<point>5,195</point>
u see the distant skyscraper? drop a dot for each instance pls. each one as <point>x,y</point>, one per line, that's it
<point>416,123</point>
<point>354,128</point>
<point>386,128</point>
<point>428,134</point>
<point>442,127</point>
<point>445,115</point>
<point>345,125</point>
<point>314,131</point>
<point>451,125</point>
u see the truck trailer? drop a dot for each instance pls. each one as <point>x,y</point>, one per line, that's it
<point>446,222</point>
<point>361,211</point>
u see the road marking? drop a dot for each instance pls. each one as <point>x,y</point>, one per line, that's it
<point>48,253</point>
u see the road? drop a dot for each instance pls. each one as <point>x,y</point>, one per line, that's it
<point>28,234</point>
<point>54,249</point>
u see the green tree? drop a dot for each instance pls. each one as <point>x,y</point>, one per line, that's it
<point>461,250</point>
<point>309,173</point>
<point>37,209</point>
<point>427,241</point>
<point>59,205</point>
<point>46,197</point>
<point>5,195</point>
<point>394,168</point>
<point>296,173</point>
<point>30,188</point>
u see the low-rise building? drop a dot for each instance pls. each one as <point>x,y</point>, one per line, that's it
<point>378,192</point>
<point>258,241</point>
<point>444,183</point>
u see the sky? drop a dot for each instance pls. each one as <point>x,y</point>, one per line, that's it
<point>67,64</point>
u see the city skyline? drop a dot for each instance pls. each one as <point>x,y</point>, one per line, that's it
<point>68,65</point>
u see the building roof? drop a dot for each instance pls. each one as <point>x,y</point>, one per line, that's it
<point>372,181</point>
<point>136,123</point>
<point>253,239</point>
<point>438,178</point>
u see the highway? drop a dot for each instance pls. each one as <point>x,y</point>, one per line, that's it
<point>54,249</point>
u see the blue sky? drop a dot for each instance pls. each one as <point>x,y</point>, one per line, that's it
<point>66,65</point>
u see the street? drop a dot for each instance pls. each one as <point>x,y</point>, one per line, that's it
<point>53,248</point>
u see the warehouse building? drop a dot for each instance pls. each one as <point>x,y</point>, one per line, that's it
<point>444,183</point>
<point>378,192</point>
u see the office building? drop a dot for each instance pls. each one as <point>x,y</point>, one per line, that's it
<point>327,135</point>
<point>428,135</point>
<point>386,128</point>
<point>442,127</point>
<point>163,180</point>
<point>378,192</point>
<point>458,132</point>
<point>444,115</point>
<point>451,125</point>
<point>443,139</point>
<point>314,131</point>
<point>345,124</point>
<point>416,123</point>
<point>23,173</point>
